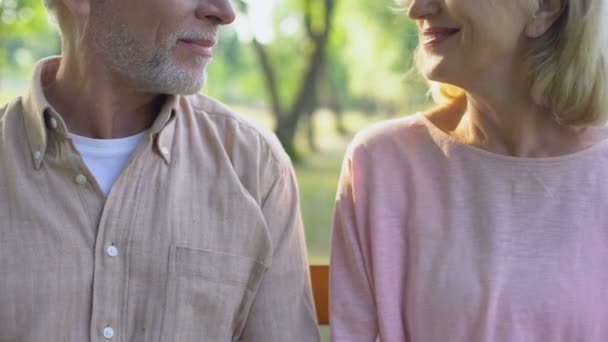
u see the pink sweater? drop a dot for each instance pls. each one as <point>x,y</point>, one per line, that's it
<point>437,241</point>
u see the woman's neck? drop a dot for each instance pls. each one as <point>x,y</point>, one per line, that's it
<point>513,128</point>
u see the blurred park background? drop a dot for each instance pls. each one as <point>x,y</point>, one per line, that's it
<point>314,71</point>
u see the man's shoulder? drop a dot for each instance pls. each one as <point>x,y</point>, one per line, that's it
<point>11,115</point>
<point>230,125</point>
<point>12,104</point>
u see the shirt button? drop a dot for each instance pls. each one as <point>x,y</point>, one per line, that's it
<point>164,151</point>
<point>53,122</point>
<point>108,332</point>
<point>112,251</point>
<point>81,179</point>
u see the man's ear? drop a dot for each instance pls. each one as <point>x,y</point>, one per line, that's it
<point>547,13</point>
<point>78,7</point>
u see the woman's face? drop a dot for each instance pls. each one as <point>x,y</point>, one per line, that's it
<point>470,42</point>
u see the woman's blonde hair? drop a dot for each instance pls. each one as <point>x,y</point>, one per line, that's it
<point>568,66</point>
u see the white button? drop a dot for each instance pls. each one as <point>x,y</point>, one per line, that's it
<point>37,155</point>
<point>112,251</point>
<point>108,332</point>
<point>81,179</point>
<point>164,151</point>
<point>53,122</point>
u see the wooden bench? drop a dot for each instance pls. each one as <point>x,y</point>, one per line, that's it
<point>319,275</point>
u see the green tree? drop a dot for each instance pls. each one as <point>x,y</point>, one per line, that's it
<point>317,16</point>
<point>25,35</point>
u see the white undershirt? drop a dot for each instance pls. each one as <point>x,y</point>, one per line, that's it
<point>106,158</point>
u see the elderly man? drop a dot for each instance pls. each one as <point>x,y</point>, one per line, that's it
<point>130,211</point>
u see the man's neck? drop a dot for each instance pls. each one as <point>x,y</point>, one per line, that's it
<point>96,103</point>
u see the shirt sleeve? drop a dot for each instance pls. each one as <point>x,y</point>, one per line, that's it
<point>283,309</point>
<point>352,306</point>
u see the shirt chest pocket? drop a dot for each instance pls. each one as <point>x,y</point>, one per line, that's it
<point>208,295</point>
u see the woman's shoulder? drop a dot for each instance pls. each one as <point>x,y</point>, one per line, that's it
<point>399,133</point>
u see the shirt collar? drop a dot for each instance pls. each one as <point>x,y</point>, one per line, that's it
<point>36,106</point>
<point>163,128</point>
<point>40,116</point>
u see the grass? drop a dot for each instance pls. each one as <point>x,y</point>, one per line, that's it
<point>318,178</point>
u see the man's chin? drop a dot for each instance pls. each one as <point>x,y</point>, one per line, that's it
<point>190,91</point>
<point>188,85</point>
<point>179,86</point>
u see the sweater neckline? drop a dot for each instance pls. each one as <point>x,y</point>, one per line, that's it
<point>442,139</point>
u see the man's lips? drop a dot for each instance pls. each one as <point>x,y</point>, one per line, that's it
<point>435,35</point>
<point>201,47</point>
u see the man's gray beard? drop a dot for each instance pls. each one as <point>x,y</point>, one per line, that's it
<point>158,73</point>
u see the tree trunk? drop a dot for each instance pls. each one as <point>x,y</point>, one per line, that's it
<point>311,131</point>
<point>270,80</point>
<point>336,108</point>
<point>306,99</point>
<point>286,133</point>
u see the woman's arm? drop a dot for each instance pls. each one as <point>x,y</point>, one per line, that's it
<point>353,314</point>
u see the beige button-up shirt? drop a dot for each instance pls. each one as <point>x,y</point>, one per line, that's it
<point>200,238</point>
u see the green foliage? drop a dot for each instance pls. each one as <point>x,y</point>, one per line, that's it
<point>21,17</point>
<point>369,55</point>
<point>233,76</point>
<point>379,46</point>
<point>25,36</point>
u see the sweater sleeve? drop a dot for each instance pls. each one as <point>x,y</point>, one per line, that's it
<point>353,314</point>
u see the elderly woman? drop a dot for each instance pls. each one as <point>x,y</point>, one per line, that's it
<point>486,218</point>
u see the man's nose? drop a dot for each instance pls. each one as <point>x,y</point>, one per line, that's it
<point>219,11</point>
